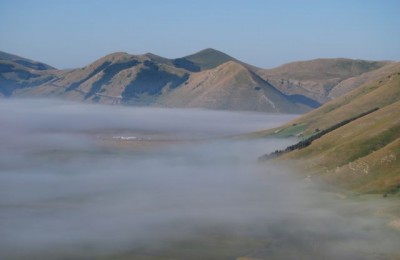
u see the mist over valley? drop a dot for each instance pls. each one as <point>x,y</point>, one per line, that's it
<point>71,186</point>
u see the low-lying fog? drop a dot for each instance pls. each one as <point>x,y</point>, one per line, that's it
<point>77,181</point>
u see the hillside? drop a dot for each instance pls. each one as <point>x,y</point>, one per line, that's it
<point>206,59</point>
<point>121,78</point>
<point>115,78</point>
<point>317,78</point>
<point>17,73</point>
<point>231,86</point>
<point>24,62</point>
<point>362,155</point>
<point>206,79</point>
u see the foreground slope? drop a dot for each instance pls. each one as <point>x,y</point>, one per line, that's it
<point>363,155</point>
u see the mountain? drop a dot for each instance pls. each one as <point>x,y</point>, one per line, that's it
<point>362,155</point>
<point>17,73</point>
<point>231,86</point>
<point>204,60</point>
<point>115,78</point>
<point>354,82</point>
<point>207,79</point>
<point>24,62</point>
<point>316,79</point>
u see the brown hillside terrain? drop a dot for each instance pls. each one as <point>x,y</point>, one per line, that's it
<point>207,79</point>
<point>316,78</point>
<point>14,76</point>
<point>24,61</point>
<point>230,86</point>
<point>112,79</point>
<point>352,83</point>
<point>153,80</point>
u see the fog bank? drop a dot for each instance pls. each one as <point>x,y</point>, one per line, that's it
<point>64,194</point>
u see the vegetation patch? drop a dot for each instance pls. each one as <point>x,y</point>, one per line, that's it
<point>291,131</point>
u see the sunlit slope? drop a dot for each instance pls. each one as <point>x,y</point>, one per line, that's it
<point>349,84</point>
<point>378,92</point>
<point>363,155</point>
<point>231,86</point>
<point>317,78</point>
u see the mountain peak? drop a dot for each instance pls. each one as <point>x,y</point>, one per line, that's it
<point>209,51</point>
<point>208,58</point>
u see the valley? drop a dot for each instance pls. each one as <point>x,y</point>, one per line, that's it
<point>143,157</point>
<point>114,182</point>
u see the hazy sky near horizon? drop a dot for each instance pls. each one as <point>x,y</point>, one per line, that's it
<point>265,33</point>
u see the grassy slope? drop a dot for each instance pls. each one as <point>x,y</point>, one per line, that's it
<point>376,93</point>
<point>349,84</point>
<point>324,68</point>
<point>364,155</point>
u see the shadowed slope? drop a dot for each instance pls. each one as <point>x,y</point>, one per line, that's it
<point>17,72</point>
<point>25,62</point>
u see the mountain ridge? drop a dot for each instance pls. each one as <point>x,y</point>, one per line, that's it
<point>149,79</point>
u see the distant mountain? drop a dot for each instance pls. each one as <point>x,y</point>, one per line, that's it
<point>208,79</point>
<point>363,155</point>
<point>17,73</point>
<point>24,62</point>
<point>203,60</point>
<point>316,79</point>
<point>231,86</point>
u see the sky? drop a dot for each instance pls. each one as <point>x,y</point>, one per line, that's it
<point>265,33</point>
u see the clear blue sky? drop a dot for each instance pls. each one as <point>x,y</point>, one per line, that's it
<point>266,33</point>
